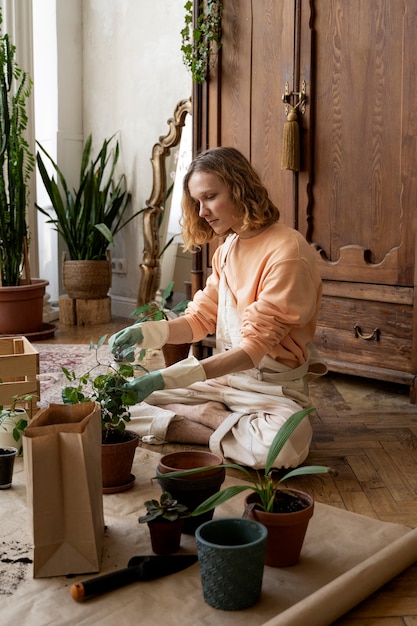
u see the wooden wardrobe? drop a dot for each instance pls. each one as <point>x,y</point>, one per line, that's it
<point>350,66</point>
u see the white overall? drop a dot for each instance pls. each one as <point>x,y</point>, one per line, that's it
<point>260,399</point>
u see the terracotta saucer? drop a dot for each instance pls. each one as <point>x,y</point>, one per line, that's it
<point>119,488</point>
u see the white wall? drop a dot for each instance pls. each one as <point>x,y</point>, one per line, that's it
<point>133,77</point>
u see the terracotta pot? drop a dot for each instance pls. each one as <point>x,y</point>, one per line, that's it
<point>22,308</point>
<point>174,353</point>
<point>190,459</point>
<point>86,279</point>
<point>286,531</point>
<point>165,535</point>
<point>117,461</point>
<point>191,490</point>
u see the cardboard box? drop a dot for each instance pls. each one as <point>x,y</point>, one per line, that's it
<point>19,367</point>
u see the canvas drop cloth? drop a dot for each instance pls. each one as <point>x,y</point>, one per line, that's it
<point>345,558</point>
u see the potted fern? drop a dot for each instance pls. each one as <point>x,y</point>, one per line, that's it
<point>88,217</point>
<point>21,296</point>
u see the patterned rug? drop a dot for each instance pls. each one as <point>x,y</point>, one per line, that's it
<point>79,359</point>
<point>52,358</point>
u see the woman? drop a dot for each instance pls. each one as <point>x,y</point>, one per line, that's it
<point>261,300</point>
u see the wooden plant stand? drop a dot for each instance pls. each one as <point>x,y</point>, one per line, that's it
<point>83,312</point>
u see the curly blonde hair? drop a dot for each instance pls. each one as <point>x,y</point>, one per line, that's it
<point>248,193</point>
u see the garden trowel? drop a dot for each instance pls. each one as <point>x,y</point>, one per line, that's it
<point>139,568</point>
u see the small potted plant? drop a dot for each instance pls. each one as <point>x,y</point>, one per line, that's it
<point>270,503</point>
<point>7,457</point>
<point>156,311</point>
<point>108,389</point>
<point>165,521</point>
<point>13,421</point>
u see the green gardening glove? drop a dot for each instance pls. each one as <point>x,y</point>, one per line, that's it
<point>181,374</point>
<point>145,385</point>
<point>144,334</point>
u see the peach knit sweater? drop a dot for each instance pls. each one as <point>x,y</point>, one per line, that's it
<point>276,285</point>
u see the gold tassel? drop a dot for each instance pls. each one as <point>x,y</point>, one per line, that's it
<point>291,143</point>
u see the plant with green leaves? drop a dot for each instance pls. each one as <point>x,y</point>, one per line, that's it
<point>15,419</point>
<point>201,39</point>
<point>107,388</point>
<point>16,164</point>
<point>265,484</point>
<point>88,218</point>
<point>157,310</point>
<point>154,311</point>
<point>167,508</point>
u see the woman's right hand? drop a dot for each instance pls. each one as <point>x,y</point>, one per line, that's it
<point>144,334</point>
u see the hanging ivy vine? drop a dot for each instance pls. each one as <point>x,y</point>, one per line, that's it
<point>200,43</point>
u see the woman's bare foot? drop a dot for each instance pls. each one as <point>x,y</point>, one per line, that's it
<point>210,414</point>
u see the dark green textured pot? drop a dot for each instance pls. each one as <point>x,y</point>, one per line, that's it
<point>231,553</point>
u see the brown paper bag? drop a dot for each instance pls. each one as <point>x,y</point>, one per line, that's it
<point>62,460</point>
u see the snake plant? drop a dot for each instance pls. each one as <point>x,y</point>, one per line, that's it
<point>89,217</point>
<point>16,163</point>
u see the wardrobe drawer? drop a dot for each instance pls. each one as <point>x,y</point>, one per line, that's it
<point>378,334</point>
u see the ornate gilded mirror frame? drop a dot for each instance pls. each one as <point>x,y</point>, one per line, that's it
<point>151,266</point>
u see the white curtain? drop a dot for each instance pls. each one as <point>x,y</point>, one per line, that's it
<point>17,22</point>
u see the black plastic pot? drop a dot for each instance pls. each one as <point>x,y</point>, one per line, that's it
<point>7,457</point>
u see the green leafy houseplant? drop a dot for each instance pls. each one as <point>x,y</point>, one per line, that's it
<point>89,217</point>
<point>201,39</point>
<point>107,389</point>
<point>16,164</point>
<point>15,419</point>
<point>158,310</point>
<point>167,509</point>
<point>265,484</point>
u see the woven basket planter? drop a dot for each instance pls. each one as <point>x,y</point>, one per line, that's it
<point>88,280</point>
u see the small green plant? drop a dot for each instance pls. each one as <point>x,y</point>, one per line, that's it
<point>89,217</point>
<point>267,484</point>
<point>157,310</point>
<point>201,41</point>
<point>9,416</point>
<point>167,508</point>
<point>108,389</point>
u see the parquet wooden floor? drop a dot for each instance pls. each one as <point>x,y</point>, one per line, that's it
<point>367,431</point>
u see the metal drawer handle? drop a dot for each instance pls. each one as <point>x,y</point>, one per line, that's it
<point>374,335</point>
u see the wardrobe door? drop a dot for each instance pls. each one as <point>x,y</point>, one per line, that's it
<point>357,191</point>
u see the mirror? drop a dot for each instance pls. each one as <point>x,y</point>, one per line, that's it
<point>155,206</point>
